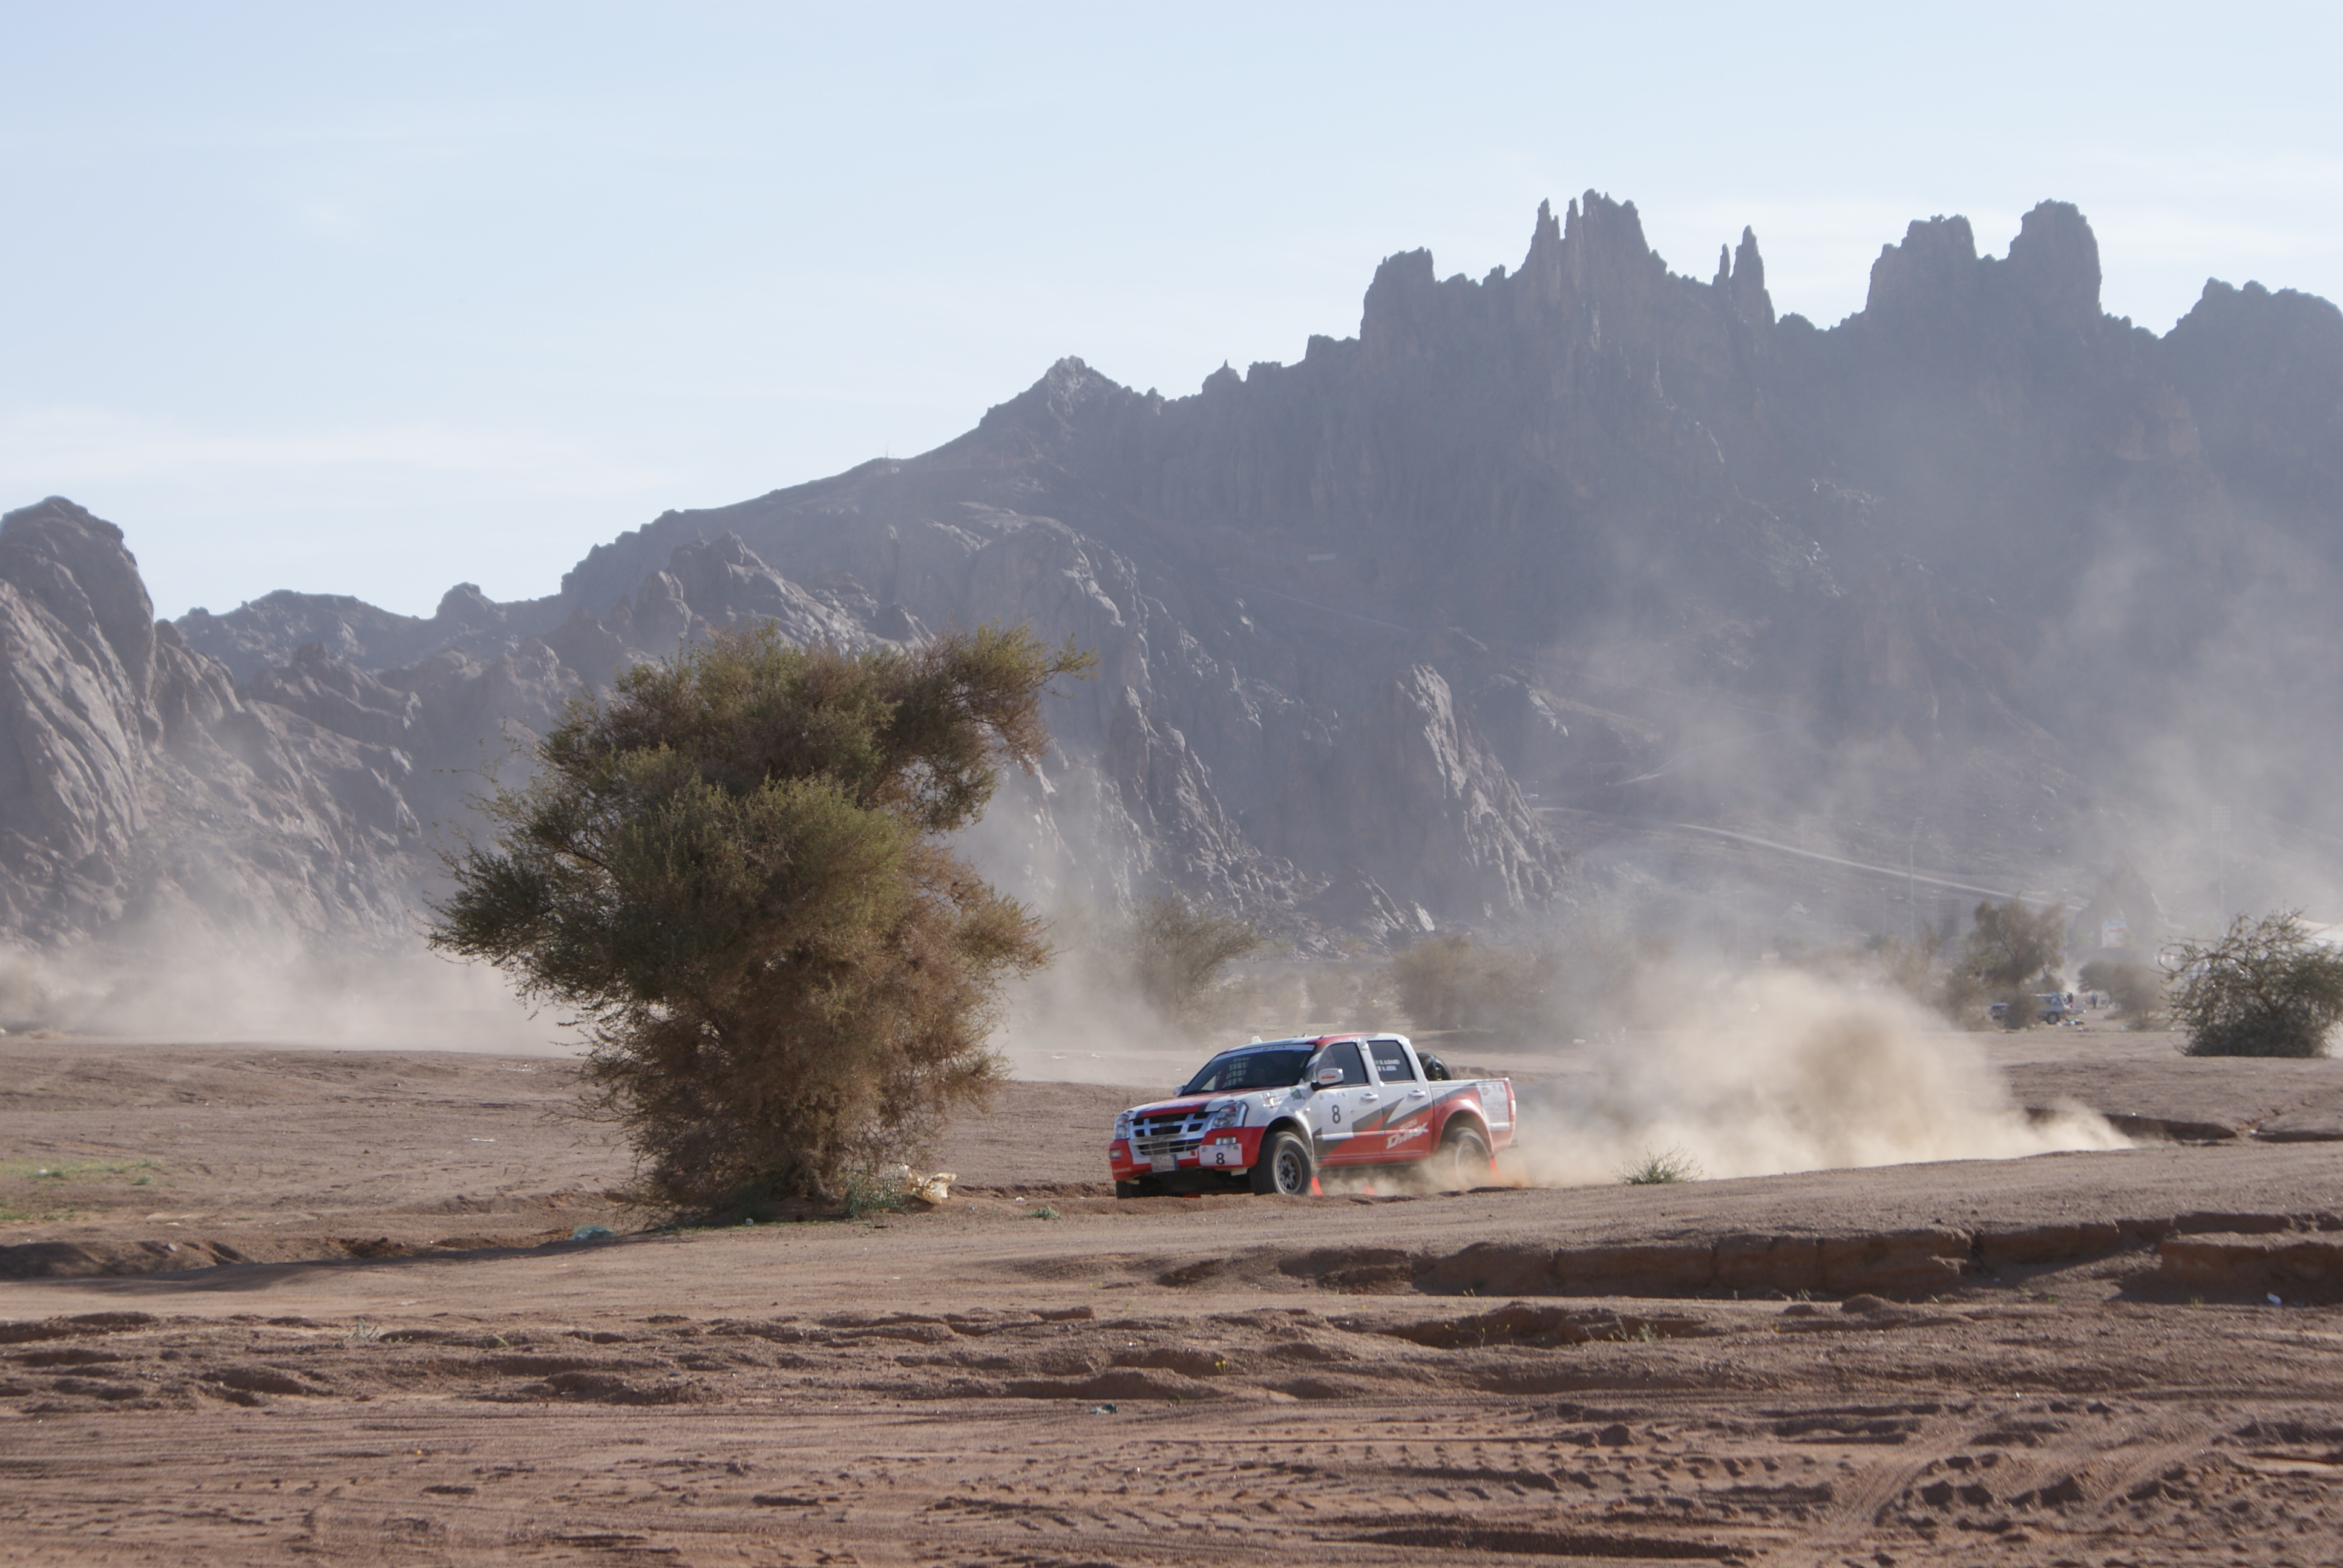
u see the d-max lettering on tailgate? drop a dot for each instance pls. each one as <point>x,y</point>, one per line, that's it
<point>1270,1115</point>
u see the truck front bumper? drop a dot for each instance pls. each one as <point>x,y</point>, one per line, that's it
<point>1232,1149</point>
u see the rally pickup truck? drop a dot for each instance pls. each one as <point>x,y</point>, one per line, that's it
<point>1271,1114</point>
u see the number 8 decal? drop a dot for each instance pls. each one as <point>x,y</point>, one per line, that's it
<point>1338,1110</point>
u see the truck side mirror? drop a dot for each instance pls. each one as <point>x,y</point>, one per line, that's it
<point>1329,1077</point>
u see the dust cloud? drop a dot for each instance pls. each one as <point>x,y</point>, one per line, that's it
<point>1087,1017</point>
<point>1775,1070</point>
<point>263,991</point>
<point>1083,1020</point>
<point>1746,1070</point>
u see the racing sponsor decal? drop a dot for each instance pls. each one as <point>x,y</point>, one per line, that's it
<point>1397,1136</point>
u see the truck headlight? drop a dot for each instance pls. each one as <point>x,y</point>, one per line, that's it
<point>1228,1115</point>
<point>1122,1128</point>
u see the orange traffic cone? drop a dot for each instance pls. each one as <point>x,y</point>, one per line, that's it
<point>1371,1189</point>
<point>1313,1186</point>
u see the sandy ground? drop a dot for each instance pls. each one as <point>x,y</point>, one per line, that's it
<point>2067,1358</point>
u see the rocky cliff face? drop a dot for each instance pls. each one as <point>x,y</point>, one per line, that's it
<point>1419,628</point>
<point>148,794</point>
<point>137,788</point>
<point>1980,554</point>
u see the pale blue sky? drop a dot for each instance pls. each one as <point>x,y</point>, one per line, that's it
<point>372,299</point>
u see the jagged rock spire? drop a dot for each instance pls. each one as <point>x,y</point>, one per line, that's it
<point>1750,300</point>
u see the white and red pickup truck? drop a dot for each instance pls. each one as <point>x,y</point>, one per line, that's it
<point>1271,1114</point>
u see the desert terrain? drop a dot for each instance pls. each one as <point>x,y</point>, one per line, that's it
<point>269,1305</point>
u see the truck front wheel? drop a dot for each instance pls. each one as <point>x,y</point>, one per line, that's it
<point>1284,1166</point>
<point>1464,1161</point>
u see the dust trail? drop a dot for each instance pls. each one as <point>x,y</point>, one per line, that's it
<point>265,992</point>
<point>1781,1070</point>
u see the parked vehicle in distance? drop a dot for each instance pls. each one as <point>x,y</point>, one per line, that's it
<point>1270,1115</point>
<point>2056,1007</point>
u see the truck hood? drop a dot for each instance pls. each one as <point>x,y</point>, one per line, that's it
<point>1182,1104</point>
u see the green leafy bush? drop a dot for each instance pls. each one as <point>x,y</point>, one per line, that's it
<point>2264,989</point>
<point>733,869</point>
<point>1660,1170</point>
<point>861,1193</point>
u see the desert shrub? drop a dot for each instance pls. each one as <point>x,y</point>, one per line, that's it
<point>1435,980</point>
<point>30,995</point>
<point>1178,951</point>
<point>1662,1169</point>
<point>2010,955</point>
<point>1345,994</point>
<point>2264,989</point>
<point>733,869</point>
<point>1582,981</point>
<point>1456,982</point>
<point>861,1193</point>
<point>2137,989</point>
<point>1913,967</point>
<point>1312,995</point>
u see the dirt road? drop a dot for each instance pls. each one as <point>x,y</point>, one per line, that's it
<point>2067,1358</point>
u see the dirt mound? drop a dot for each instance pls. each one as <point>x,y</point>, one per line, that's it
<point>2288,1264</point>
<point>1911,1264</point>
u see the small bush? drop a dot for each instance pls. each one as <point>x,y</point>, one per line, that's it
<point>2137,989</point>
<point>2264,989</point>
<point>1662,1169</point>
<point>1435,980</point>
<point>1457,982</point>
<point>1043,1212</point>
<point>2009,956</point>
<point>1178,950</point>
<point>1914,966</point>
<point>861,1193</point>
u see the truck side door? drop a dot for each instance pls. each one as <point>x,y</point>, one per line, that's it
<point>1393,1124</point>
<point>1335,1109</point>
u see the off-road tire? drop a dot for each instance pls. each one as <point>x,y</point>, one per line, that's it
<point>1463,1162</point>
<point>1284,1166</point>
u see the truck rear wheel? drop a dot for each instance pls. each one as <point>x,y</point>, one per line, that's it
<point>1284,1166</point>
<point>1463,1162</point>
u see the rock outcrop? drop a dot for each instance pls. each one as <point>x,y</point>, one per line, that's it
<point>137,787</point>
<point>146,795</point>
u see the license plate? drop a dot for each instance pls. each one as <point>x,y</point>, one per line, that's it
<point>1163,1163</point>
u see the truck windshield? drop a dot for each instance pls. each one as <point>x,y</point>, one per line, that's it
<point>1234,1071</point>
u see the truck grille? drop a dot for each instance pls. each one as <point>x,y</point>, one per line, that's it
<point>1175,1134</point>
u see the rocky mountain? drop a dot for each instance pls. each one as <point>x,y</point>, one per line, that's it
<point>140,790</point>
<point>1526,600</point>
